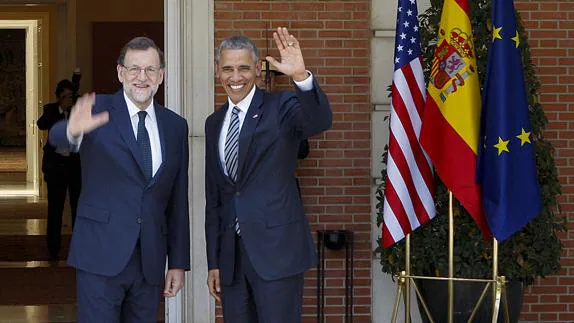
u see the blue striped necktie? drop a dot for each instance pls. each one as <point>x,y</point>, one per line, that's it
<point>232,145</point>
<point>145,146</point>
<point>232,151</point>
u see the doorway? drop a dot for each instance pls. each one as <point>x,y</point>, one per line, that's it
<point>19,97</point>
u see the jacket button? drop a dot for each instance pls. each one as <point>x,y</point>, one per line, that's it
<point>238,193</point>
<point>139,220</point>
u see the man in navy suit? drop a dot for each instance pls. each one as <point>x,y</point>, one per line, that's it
<point>133,208</point>
<point>258,239</point>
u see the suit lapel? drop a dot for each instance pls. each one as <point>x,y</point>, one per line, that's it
<point>121,119</point>
<point>161,127</point>
<point>249,125</point>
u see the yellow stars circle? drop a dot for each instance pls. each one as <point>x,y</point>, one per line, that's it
<point>524,137</point>
<point>517,41</point>
<point>496,33</point>
<point>502,146</point>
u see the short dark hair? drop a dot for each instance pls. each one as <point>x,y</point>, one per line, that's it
<point>238,42</point>
<point>62,85</point>
<point>141,43</point>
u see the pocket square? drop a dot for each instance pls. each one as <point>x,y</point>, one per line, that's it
<point>255,116</point>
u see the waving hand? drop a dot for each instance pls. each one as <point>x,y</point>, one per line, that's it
<point>291,62</point>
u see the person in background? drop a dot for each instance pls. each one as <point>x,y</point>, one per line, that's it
<point>61,168</point>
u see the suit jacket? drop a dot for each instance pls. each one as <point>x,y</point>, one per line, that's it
<point>118,206</point>
<point>303,149</point>
<point>51,160</point>
<point>265,198</point>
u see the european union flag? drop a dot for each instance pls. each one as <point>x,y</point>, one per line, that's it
<point>507,168</point>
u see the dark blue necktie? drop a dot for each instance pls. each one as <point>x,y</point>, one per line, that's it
<point>143,142</point>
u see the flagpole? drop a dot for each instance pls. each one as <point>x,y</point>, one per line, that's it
<point>494,268</point>
<point>408,280</point>
<point>498,285</point>
<point>450,258</point>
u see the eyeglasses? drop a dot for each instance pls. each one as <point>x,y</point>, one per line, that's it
<point>150,71</point>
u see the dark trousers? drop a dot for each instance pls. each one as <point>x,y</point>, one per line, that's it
<point>62,178</point>
<point>124,298</point>
<point>250,299</point>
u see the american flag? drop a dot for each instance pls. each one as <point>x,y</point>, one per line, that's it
<point>409,189</point>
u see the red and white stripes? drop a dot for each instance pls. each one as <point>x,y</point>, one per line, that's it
<point>409,192</point>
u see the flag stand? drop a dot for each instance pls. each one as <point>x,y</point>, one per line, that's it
<point>405,279</point>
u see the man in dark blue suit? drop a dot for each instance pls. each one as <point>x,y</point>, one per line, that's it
<point>258,239</point>
<point>133,208</point>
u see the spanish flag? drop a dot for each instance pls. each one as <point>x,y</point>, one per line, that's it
<point>451,119</point>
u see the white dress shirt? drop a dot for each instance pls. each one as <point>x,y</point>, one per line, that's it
<point>63,151</point>
<point>150,125</point>
<point>243,105</point>
<point>152,130</point>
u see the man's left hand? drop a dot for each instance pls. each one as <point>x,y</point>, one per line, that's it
<point>291,63</point>
<point>173,282</point>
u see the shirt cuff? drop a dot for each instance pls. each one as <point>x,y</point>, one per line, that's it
<point>306,84</point>
<point>75,142</point>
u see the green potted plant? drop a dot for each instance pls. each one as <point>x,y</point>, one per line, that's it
<point>530,253</point>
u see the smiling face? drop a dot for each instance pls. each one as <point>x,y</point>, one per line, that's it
<point>141,75</point>
<point>237,72</point>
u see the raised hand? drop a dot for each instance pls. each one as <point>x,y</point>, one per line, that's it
<point>82,120</point>
<point>291,63</point>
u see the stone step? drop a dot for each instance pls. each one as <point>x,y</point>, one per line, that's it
<point>53,313</point>
<point>29,248</point>
<point>28,227</point>
<point>43,285</point>
<point>23,208</point>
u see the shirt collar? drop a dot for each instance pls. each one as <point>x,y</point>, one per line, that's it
<point>244,104</point>
<point>133,109</point>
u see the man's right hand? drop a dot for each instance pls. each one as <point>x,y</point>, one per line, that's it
<point>213,284</point>
<point>82,120</point>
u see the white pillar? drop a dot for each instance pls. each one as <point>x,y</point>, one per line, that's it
<point>189,90</point>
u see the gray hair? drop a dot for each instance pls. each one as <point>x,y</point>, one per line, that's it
<point>141,43</point>
<point>238,42</point>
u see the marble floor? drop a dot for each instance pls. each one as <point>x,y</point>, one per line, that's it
<point>13,159</point>
<point>53,313</point>
<point>13,168</point>
<point>15,185</point>
<point>32,289</point>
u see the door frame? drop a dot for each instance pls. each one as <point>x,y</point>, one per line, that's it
<point>36,76</point>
